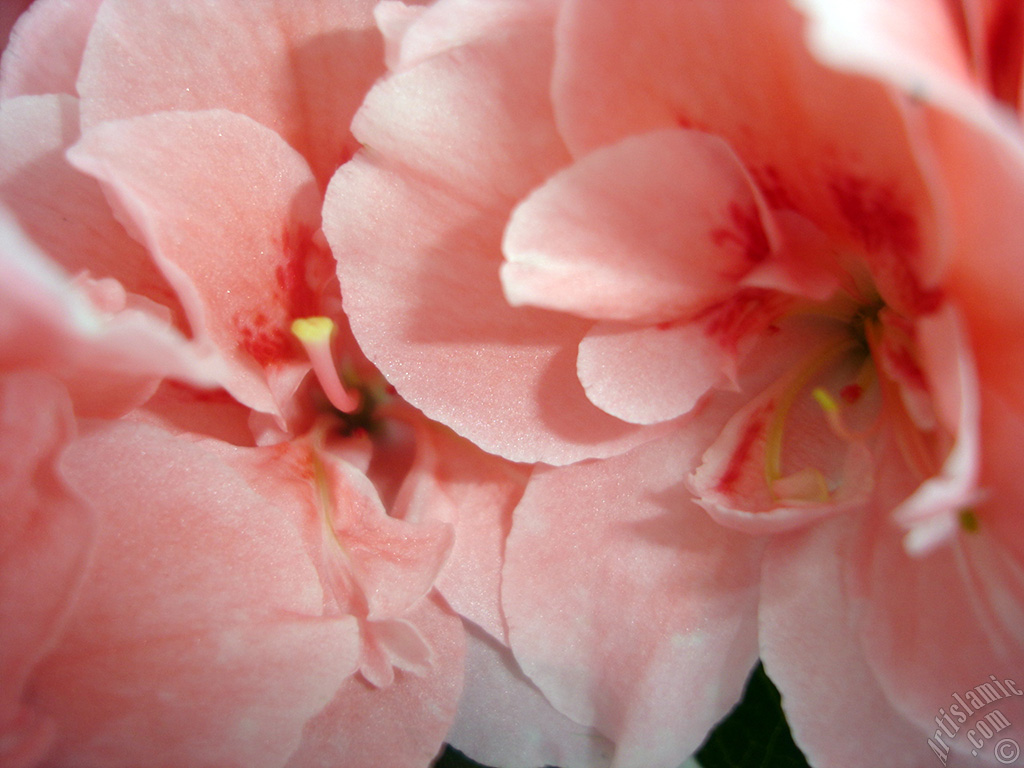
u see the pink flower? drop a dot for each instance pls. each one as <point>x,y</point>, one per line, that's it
<point>255,572</point>
<point>763,291</point>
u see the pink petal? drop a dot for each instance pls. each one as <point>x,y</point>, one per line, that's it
<point>812,654</point>
<point>932,512</point>
<point>630,609</point>
<point>654,228</point>
<point>301,69</point>
<point>777,463</point>
<point>46,47</point>
<point>453,481</point>
<point>986,175</point>
<point>46,544</point>
<point>968,592</point>
<point>403,725</point>
<point>61,209</point>
<point>828,145</point>
<point>914,43</point>
<point>111,359</point>
<point>646,375</point>
<point>501,377</point>
<point>239,246</point>
<point>200,637</point>
<point>504,720</point>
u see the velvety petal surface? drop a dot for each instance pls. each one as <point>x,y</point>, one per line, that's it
<point>453,481</point>
<point>654,228</point>
<point>200,637</point>
<point>301,69</point>
<point>810,650</point>
<point>46,545</point>
<point>627,606</point>
<point>239,246</point>
<point>828,145</point>
<point>402,725</point>
<point>63,210</point>
<point>650,374</point>
<point>505,720</point>
<point>46,47</point>
<point>111,358</point>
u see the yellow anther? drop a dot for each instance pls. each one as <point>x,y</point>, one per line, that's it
<point>825,400</point>
<point>315,334</point>
<point>313,329</point>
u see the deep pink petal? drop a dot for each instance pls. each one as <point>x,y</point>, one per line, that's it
<point>46,47</point>
<point>653,228</point>
<point>811,652</point>
<point>629,608</point>
<point>60,208</point>
<point>402,725</point>
<point>301,69</point>
<point>504,720</point>
<point>238,245</point>
<point>650,374</point>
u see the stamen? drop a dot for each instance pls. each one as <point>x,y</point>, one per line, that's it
<point>773,450</point>
<point>315,334</point>
<point>969,520</point>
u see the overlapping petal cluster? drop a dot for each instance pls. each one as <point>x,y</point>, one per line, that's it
<point>510,373</point>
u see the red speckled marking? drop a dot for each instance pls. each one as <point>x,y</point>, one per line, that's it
<point>875,216</point>
<point>266,342</point>
<point>266,335</point>
<point>750,310</point>
<point>746,233</point>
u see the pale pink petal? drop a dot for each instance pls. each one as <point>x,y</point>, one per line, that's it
<point>988,178</point>
<point>239,244</point>
<point>301,69</point>
<point>200,636</point>
<point>932,513</point>
<point>111,358</point>
<point>627,606</point>
<point>453,481</point>
<point>60,208</point>
<point>811,652</point>
<point>915,43</point>
<point>417,33</point>
<point>654,228</point>
<point>46,47</point>
<point>46,544</point>
<point>459,352</point>
<point>504,378</point>
<point>968,592</point>
<point>830,146</point>
<point>650,374</point>
<point>396,561</point>
<point>401,726</point>
<point>504,720</point>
